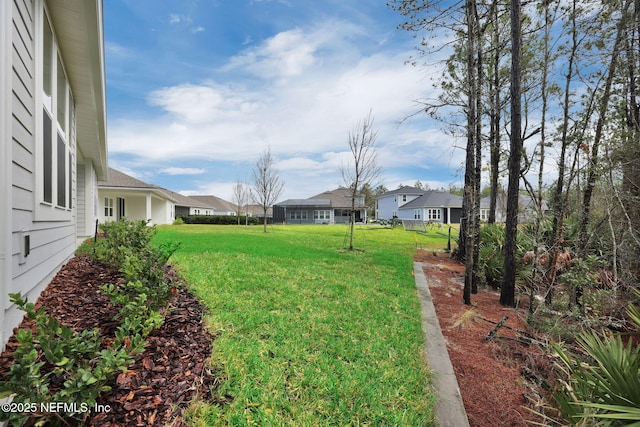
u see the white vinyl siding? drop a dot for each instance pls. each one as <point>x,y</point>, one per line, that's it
<point>50,228</point>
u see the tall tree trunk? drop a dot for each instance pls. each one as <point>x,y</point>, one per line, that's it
<point>507,293</point>
<point>494,122</point>
<point>470,166</point>
<point>478,146</point>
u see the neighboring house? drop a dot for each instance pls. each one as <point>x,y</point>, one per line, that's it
<point>53,146</point>
<point>185,206</point>
<point>217,206</point>
<point>526,208</point>
<point>330,207</point>
<point>258,212</point>
<point>125,196</point>
<point>414,203</point>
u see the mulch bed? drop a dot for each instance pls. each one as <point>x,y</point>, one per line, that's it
<point>164,379</point>
<point>490,373</point>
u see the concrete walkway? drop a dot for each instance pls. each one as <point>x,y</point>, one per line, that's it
<point>449,407</point>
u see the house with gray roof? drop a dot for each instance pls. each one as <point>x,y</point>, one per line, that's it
<point>186,205</point>
<point>122,195</point>
<point>330,207</point>
<point>414,203</point>
<point>215,206</point>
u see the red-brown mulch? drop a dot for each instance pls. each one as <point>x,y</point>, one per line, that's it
<point>489,372</point>
<point>164,379</point>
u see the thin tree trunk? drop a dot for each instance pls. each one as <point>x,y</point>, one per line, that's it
<point>543,129</point>
<point>583,247</point>
<point>494,122</point>
<point>558,199</point>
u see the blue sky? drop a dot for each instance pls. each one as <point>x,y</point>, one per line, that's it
<point>197,89</point>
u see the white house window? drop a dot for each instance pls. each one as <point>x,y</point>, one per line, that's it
<point>56,131</point>
<point>484,214</point>
<point>417,214</point>
<point>298,215</point>
<point>322,215</point>
<point>108,207</point>
<point>121,211</point>
<point>404,197</point>
<point>434,214</point>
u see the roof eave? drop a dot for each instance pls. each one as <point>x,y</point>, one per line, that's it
<point>79,30</point>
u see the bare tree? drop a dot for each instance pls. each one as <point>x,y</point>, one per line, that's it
<point>241,199</point>
<point>363,142</point>
<point>267,185</point>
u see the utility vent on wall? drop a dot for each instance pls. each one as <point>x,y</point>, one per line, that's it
<point>25,246</point>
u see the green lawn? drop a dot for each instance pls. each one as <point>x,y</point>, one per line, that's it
<point>309,334</point>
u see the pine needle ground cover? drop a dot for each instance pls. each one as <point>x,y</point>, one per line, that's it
<point>309,333</point>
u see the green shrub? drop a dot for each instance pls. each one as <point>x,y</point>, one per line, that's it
<point>76,359</point>
<point>121,239</point>
<point>78,364</point>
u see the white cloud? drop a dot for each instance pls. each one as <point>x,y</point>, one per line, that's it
<point>183,171</point>
<point>299,92</point>
<point>176,18</point>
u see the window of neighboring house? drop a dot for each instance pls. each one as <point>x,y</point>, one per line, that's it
<point>121,211</point>
<point>298,215</point>
<point>321,214</point>
<point>417,214</point>
<point>434,214</point>
<point>108,207</point>
<point>404,197</point>
<point>484,214</point>
<point>56,148</point>
<point>196,211</point>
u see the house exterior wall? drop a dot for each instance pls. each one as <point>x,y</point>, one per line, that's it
<point>6,25</point>
<point>389,206</point>
<point>87,200</point>
<point>182,210</point>
<point>138,205</point>
<point>36,235</point>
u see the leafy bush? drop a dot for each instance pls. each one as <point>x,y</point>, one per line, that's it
<point>122,238</point>
<point>78,364</point>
